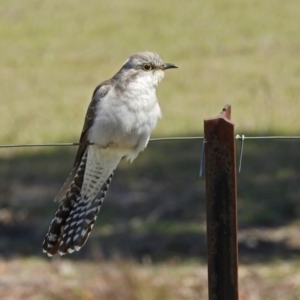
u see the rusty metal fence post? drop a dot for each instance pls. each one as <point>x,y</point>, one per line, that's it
<point>221,199</point>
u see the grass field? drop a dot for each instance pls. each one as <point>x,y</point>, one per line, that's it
<point>52,56</point>
<point>62,279</point>
<point>54,53</point>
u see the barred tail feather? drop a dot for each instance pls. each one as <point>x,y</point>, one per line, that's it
<point>81,220</point>
<point>52,239</point>
<point>81,202</point>
<point>73,223</point>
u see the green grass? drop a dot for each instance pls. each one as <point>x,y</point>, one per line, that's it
<point>242,52</point>
<point>54,53</point>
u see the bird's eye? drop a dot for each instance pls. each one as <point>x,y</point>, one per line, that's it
<point>147,67</point>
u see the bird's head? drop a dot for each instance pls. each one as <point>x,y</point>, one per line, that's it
<point>146,68</point>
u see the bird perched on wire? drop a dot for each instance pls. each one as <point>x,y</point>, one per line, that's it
<point>119,120</point>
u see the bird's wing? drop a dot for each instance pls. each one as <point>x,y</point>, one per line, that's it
<point>84,191</point>
<point>101,90</point>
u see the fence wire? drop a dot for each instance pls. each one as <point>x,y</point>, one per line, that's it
<point>79,144</point>
<point>238,137</point>
<point>163,139</point>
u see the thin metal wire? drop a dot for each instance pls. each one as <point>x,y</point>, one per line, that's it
<point>42,145</point>
<point>78,144</point>
<point>177,138</point>
<point>242,139</point>
<point>241,153</point>
<point>202,158</point>
<point>237,137</point>
<point>275,137</point>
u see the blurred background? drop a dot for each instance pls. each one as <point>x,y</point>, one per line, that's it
<point>149,239</point>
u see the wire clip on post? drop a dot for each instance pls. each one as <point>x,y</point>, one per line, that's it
<point>242,139</point>
<point>221,215</point>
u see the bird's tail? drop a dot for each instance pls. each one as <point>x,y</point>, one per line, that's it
<point>74,220</point>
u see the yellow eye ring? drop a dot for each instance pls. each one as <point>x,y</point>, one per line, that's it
<point>147,67</point>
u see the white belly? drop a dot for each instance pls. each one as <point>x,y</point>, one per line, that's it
<point>125,124</point>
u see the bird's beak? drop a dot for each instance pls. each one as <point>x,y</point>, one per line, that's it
<point>168,66</point>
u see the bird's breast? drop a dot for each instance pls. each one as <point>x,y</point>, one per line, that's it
<point>125,121</point>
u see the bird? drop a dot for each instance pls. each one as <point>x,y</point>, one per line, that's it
<point>120,118</point>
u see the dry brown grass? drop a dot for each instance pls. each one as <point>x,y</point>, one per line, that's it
<point>61,279</point>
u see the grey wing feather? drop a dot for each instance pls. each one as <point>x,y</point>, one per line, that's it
<point>100,91</point>
<point>80,201</point>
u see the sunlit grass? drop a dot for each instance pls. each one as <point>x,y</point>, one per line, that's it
<point>53,54</point>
